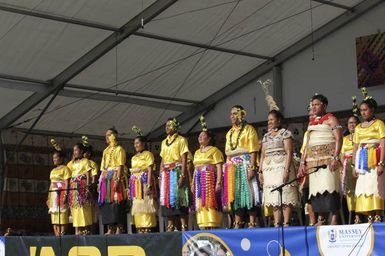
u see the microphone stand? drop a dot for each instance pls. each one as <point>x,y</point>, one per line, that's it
<point>58,192</point>
<point>280,191</point>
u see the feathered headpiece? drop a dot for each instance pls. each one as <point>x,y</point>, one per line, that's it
<point>175,124</point>
<point>85,141</point>
<point>137,130</point>
<point>355,110</point>
<point>269,99</point>
<point>203,123</point>
<point>241,114</point>
<point>55,145</point>
<point>364,92</point>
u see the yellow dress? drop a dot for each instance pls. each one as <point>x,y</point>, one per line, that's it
<point>80,203</point>
<point>113,203</point>
<point>143,206</point>
<point>348,183</point>
<point>248,141</point>
<point>207,202</point>
<point>370,188</point>
<point>240,193</point>
<point>58,177</point>
<point>173,147</point>
<point>171,196</point>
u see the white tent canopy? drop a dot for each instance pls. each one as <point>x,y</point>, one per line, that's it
<point>108,71</point>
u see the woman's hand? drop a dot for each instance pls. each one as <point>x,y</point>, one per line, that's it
<point>354,173</point>
<point>286,177</point>
<point>380,170</point>
<point>261,179</point>
<point>218,187</point>
<point>250,174</point>
<point>180,182</point>
<point>333,166</point>
<point>301,170</point>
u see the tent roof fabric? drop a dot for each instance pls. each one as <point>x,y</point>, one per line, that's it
<point>37,49</point>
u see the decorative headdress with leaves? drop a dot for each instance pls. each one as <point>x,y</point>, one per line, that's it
<point>203,123</point>
<point>137,130</point>
<point>55,145</point>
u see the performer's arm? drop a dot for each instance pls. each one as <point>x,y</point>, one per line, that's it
<point>218,185</point>
<point>288,145</point>
<point>337,132</point>
<point>380,167</point>
<point>183,175</point>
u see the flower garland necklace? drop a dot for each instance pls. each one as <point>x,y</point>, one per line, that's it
<point>238,137</point>
<point>170,143</point>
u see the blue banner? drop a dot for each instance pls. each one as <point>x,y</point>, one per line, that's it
<point>362,239</point>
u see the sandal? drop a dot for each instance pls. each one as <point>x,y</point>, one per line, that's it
<point>370,219</point>
<point>252,225</point>
<point>171,228</point>
<point>357,220</point>
<point>184,228</point>
<point>286,224</point>
<point>238,224</point>
<point>377,218</point>
<point>321,221</point>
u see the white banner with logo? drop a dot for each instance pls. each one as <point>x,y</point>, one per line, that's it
<point>345,240</point>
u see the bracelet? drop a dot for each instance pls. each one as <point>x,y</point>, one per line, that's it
<point>381,163</point>
<point>303,162</point>
<point>148,186</point>
<point>336,158</point>
<point>352,165</point>
<point>182,176</point>
<point>252,167</point>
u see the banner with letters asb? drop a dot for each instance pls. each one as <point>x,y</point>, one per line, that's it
<point>361,239</point>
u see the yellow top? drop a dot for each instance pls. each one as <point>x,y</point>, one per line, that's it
<point>113,157</point>
<point>211,156</point>
<point>375,131</point>
<point>94,168</point>
<point>304,142</point>
<point>79,167</point>
<point>347,145</point>
<point>177,146</point>
<point>60,173</point>
<point>142,160</point>
<point>248,141</point>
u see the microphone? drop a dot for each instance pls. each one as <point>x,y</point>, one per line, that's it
<point>323,166</point>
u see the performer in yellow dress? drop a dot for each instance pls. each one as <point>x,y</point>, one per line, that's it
<point>88,153</point>
<point>174,190</point>
<point>277,167</point>
<point>241,191</point>
<point>112,184</point>
<point>58,201</point>
<point>323,147</point>
<point>80,196</point>
<point>348,182</point>
<point>207,181</point>
<point>369,162</point>
<point>142,190</point>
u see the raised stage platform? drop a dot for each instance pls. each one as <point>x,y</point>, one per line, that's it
<point>344,240</point>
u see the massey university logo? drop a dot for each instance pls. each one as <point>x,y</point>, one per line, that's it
<point>345,240</point>
<point>332,236</point>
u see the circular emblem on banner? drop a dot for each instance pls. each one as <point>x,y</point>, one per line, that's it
<point>207,244</point>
